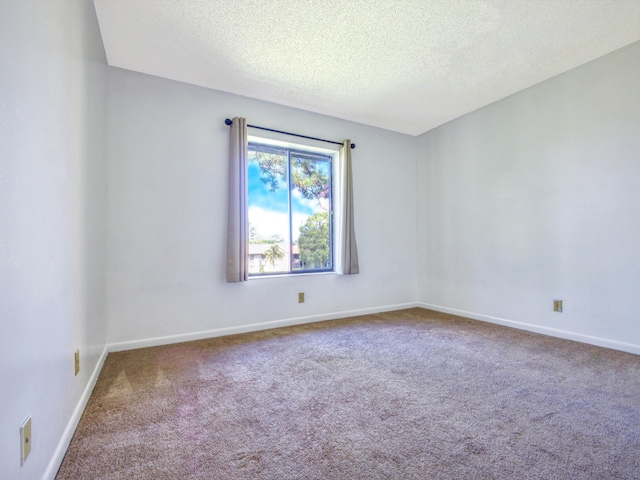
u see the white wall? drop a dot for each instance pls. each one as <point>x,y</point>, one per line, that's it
<point>535,198</point>
<point>167,215</point>
<point>52,210</point>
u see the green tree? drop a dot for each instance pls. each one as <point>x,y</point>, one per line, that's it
<point>307,175</point>
<point>314,241</point>
<point>273,254</point>
<point>308,178</point>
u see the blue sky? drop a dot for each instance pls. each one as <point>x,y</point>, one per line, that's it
<point>268,212</point>
<point>259,194</point>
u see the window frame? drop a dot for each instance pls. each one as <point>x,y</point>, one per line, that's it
<point>256,143</point>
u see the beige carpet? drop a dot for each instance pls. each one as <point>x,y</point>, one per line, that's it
<point>412,394</point>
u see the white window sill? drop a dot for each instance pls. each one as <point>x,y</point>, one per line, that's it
<point>281,275</point>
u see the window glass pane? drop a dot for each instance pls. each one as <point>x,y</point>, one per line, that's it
<point>290,224</point>
<point>310,212</point>
<point>268,212</point>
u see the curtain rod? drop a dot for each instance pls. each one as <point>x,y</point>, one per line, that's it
<point>228,121</point>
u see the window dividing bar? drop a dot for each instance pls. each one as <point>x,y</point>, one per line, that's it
<point>290,212</point>
<point>228,121</point>
<point>332,217</point>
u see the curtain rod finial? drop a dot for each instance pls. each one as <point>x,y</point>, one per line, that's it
<point>353,145</point>
<point>228,121</point>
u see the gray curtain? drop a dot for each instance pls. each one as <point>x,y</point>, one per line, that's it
<point>347,256</point>
<point>237,223</point>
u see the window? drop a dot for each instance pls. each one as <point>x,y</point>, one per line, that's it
<point>290,209</point>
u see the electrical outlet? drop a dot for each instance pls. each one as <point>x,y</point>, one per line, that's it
<point>557,306</point>
<point>301,297</point>
<point>25,440</point>
<point>76,358</point>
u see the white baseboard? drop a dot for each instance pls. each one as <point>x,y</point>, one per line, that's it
<point>253,327</point>
<point>65,440</point>
<point>553,332</point>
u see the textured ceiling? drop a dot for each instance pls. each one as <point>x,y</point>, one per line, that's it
<point>403,65</point>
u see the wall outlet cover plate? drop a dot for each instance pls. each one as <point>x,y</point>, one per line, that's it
<point>25,440</point>
<point>557,305</point>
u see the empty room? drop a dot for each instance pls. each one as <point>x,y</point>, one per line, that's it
<point>319,240</point>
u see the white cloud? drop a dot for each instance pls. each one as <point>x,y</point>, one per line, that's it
<point>297,221</point>
<point>267,222</point>
<point>311,204</point>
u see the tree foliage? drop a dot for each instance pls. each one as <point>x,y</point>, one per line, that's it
<point>273,168</point>
<point>306,176</point>
<point>308,179</point>
<point>314,241</point>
